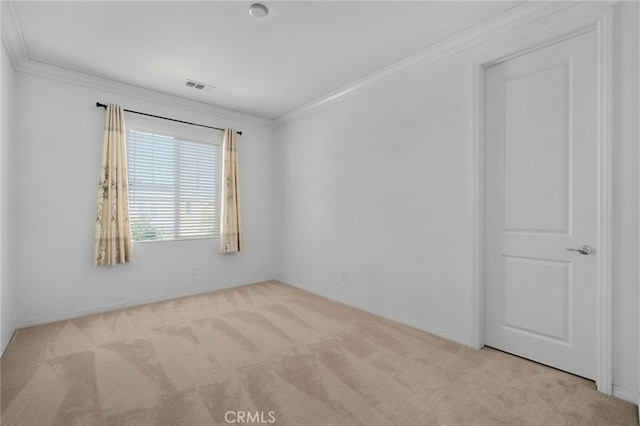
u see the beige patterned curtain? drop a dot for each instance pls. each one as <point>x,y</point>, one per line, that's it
<point>113,233</point>
<point>230,227</point>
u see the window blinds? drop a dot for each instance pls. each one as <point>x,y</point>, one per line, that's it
<point>174,187</point>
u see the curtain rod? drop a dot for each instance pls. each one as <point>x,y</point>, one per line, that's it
<point>101,105</point>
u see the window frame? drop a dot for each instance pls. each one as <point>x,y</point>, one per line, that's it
<point>195,135</point>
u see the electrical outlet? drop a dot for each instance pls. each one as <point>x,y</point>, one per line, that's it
<point>194,270</point>
<point>344,276</point>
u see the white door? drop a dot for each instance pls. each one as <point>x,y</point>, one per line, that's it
<point>541,140</point>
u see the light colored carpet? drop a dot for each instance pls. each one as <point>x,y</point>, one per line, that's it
<point>270,352</point>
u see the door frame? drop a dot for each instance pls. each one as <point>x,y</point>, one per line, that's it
<point>601,22</point>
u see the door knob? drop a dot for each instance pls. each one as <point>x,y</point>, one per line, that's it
<point>583,250</point>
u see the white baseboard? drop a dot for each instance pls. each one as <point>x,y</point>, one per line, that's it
<point>108,308</point>
<point>5,342</point>
<point>618,392</point>
<point>397,318</point>
<point>625,395</point>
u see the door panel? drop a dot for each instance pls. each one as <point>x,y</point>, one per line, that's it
<point>540,199</point>
<point>536,201</point>
<point>537,297</point>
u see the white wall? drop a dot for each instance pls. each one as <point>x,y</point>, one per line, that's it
<point>380,185</point>
<point>57,163</point>
<point>7,217</point>
<point>626,213</point>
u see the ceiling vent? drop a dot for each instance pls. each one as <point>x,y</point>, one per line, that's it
<point>197,85</point>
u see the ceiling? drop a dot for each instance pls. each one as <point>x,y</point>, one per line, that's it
<point>300,52</point>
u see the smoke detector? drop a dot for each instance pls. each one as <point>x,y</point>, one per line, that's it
<point>258,11</point>
<point>198,86</point>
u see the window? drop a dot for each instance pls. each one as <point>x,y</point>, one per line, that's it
<point>174,187</point>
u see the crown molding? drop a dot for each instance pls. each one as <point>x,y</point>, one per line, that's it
<point>94,82</point>
<point>510,20</point>
<point>507,21</point>
<point>11,35</point>
<point>19,57</point>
